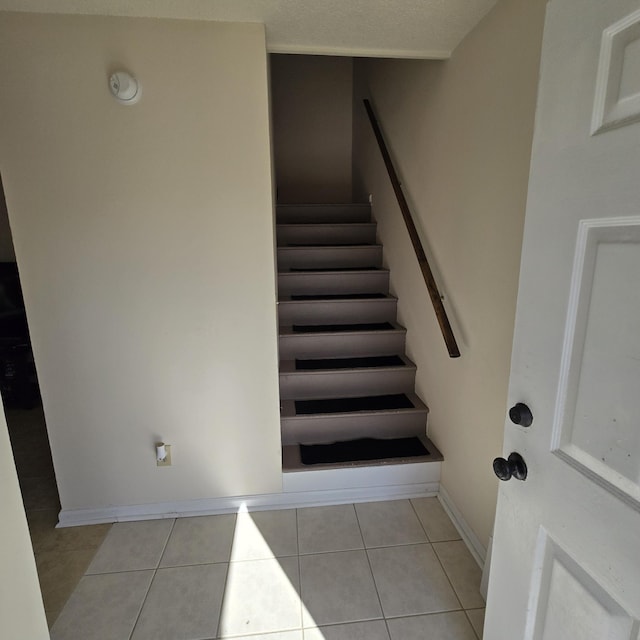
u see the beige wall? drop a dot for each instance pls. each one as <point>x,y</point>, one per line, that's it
<point>21,609</point>
<point>461,134</point>
<point>144,238</point>
<point>7,253</point>
<point>312,127</point>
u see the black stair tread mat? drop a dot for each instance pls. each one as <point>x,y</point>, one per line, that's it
<point>353,405</point>
<point>362,449</point>
<point>331,269</point>
<point>349,363</point>
<point>339,296</point>
<point>328,244</point>
<point>327,328</point>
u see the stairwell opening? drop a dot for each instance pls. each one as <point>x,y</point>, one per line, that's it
<point>347,388</point>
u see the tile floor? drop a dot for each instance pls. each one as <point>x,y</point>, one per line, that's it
<point>377,571</point>
<point>392,570</point>
<point>62,555</point>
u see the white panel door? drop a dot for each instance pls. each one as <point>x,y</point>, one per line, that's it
<point>566,557</point>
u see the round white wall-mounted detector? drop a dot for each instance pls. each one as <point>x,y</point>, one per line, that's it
<point>124,87</point>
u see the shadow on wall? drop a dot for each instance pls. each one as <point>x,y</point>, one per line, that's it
<point>311,102</point>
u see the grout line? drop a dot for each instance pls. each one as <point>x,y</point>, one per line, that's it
<point>470,623</point>
<point>299,576</point>
<point>373,577</point>
<point>455,593</point>
<point>153,577</point>
<point>224,593</point>
<point>224,596</point>
<point>226,576</point>
<point>166,543</point>
<point>420,521</point>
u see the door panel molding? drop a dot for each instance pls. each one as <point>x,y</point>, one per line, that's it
<point>598,450</point>
<point>561,584</point>
<point>617,100</point>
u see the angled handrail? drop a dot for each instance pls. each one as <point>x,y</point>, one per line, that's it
<point>432,287</point>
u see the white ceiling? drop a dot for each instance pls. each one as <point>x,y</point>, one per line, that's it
<point>382,28</point>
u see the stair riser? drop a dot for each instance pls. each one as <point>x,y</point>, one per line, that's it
<point>329,257</point>
<point>346,384</point>
<point>319,283</point>
<point>326,234</point>
<point>336,312</point>
<point>321,429</point>
<point>341,345</point>
<point>309,214</point>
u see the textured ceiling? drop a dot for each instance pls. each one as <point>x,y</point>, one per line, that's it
<point>385,28</point>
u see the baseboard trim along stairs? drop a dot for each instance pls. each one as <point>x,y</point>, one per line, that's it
<point>346,384</point>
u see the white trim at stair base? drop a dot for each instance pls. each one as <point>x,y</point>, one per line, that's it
<point>468,536</point>
<point>401,484</point>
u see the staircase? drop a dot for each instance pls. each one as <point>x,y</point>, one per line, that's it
<point>344,377</point>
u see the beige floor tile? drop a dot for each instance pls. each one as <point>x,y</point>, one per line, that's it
<point>337,587</point>
<point>371,630</point>
<point>463,572</point>
<point>435,520</point>
<point>103,607</point>
<point>385,524</point>
<point>265,534</point>
<point>204,539</point>
<point>261,596</point>
<point>183,603</point>
<point>52,615</point>
<point>323,529</point>
<point>45,537</point>
<point>132,546</point>
<point>437,626</point>
<point>59,573</point>
<point>411,581</point>
<point>476,617</point>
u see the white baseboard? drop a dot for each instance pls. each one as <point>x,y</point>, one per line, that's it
<point>303,489</point>
<point>468,536</point>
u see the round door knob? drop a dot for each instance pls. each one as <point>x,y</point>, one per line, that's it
<point>513,467</point>
<point>521,414</point>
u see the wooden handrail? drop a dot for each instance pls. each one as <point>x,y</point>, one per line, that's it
<point>432,287</point>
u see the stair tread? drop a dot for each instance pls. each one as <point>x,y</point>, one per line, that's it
<point>324,247</point>
<point>288,368</point>
<point>323,213</point>
<point>321,245</point>
<point>292,462</point>
<point>288,410</point>
<point>349,329</point>
<point>341,328</point>
<point>325,225</point>
<point>336,298</point>
<point>318,364</point>
<point>362,449</point>
<point>331,270</point>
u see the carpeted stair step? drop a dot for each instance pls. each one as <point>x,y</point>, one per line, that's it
<point>308,384</point>
<point>322,213</point>
<point>347,256</point>
<point>344,310</point>
<point>362,449</point>
<point>354,233</point>
<point>320,344</point>
<point>343,281</point>
<point>360,455</point>
<point>361,418</point>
